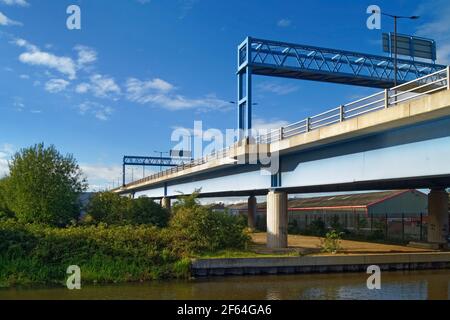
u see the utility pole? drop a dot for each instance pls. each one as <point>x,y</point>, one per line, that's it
<point>161,157</point>
<point>396,17</point>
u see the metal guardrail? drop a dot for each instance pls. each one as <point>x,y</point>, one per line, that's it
<point>381,100</point>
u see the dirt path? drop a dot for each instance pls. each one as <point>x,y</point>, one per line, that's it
<point>306,244</point>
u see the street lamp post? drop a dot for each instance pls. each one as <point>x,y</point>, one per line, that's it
<point>396,17</point>
<point>161,157</point>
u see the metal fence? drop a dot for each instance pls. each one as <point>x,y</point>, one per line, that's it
<point>381,100</point>
<point>394,228</point>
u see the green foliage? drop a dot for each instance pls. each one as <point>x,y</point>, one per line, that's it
<point>332,242</point>
<point>195,229</point>
<point>5,212</point>
<point>335,224</point>
<point>105,252</point>
<point>110,208</point>
<point>317,227</point>
<point>40,254</point>
<point>44,186</point>
<point>293,227</point>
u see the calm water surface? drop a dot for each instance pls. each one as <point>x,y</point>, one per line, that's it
<point>395,285</point>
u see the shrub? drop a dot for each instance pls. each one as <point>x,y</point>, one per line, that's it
<point>146,211</point>
<point>40,254</point>
<point>317,227</point>
<point>5,212</point>
<point>111,208</point>
<point>196,229</point>
<point>44,186</point>
<point>335,224</point>
<point>332,242</point>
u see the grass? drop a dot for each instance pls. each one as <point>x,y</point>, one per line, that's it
<point>229,254</point>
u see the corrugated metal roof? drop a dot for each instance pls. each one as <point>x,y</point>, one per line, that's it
<point>345,200</point>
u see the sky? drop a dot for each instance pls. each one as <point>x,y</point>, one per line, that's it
<point>138,69</point>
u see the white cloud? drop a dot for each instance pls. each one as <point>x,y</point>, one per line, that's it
<point>86,55</point>
<point>5,21</point>
<point>437,28</point>
<point>64,65</point>
<point>6,152</point>
<point>24,76</point>
<point>18,104</point>
<point>101,176</point>
<point>98,110</point>
<point>21,3</point>
<point>162,93</point>
<point>100,86</point>
<point>279,89</point>
<point>267,125</point>
<point>56,85</point>
<point>284,23</point>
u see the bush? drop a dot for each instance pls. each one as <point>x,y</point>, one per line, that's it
<point>317,227</point>
<point>332,242</point>
<point>111,208</point>
<point>146,211</point>
<point>195,229</point>
<point>40,254</point>
<point>44,186</point>
<point>5,212</point>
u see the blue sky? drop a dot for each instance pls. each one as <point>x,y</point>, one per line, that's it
<point>138,69</point>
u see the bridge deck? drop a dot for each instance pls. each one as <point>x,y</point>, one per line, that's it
<point>399,111</point>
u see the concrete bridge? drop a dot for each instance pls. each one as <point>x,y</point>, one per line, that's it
<point>398,138</point>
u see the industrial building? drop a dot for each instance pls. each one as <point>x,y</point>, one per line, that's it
<point>397,214</point>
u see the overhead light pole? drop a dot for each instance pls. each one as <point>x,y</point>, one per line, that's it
<point>161,157</point>
<point>396,17</point>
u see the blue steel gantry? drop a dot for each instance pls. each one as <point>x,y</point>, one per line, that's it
<point>282,59</point>
<point>151,162</point>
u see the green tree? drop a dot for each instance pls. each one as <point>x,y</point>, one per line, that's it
<point>111,208</point>
<point>5,212</point>
<point>44,186</point>
<point>146,211</point>
<point>108,207</point>
<point>197,229</point>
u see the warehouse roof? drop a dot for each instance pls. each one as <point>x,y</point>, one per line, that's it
<point>354,200</point>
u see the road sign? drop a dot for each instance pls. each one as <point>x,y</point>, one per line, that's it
<point>412,46</point>
<point>180,153</point>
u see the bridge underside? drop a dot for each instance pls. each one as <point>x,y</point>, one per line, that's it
<point>415,156</point>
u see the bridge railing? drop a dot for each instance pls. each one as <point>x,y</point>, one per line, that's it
<point>385,99</point>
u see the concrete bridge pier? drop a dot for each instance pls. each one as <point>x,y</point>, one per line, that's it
<point>165,203</point>
<point>277,220</point>
<point>251,212</point>
<point>438,228</point>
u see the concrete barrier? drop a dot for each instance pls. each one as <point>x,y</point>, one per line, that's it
<point>319,264</point>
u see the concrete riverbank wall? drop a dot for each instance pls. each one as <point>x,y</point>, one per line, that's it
<point>319,264</point>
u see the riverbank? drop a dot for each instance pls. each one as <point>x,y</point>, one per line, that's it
<point>320,264</point>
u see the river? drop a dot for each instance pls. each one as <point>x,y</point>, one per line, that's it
<point>430,284</point>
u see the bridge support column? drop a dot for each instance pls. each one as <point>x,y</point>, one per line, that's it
<point>251,212</point>
<point>277,220</point>
<point>438,216</point>
<point>165,203</point>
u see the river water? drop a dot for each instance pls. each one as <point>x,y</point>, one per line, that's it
<point>430,284</point>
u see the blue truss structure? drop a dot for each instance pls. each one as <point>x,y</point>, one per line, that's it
<point>151,162</point>
<point>288,60</point>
